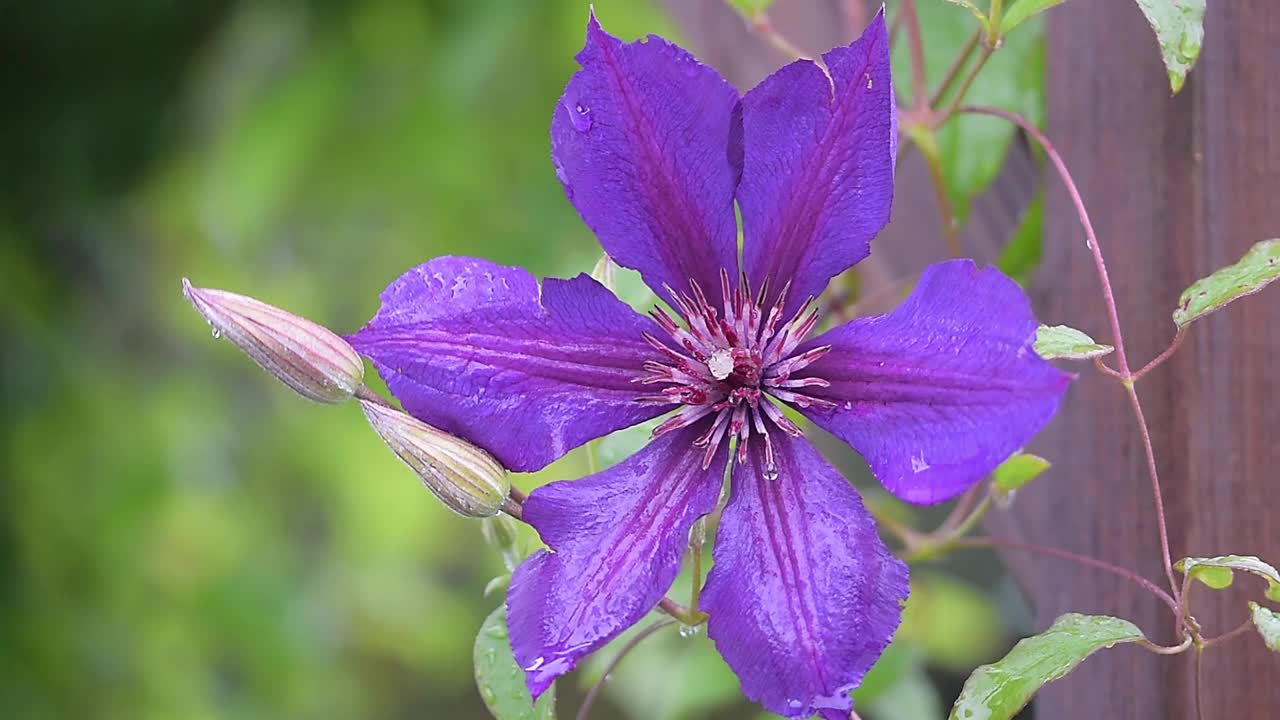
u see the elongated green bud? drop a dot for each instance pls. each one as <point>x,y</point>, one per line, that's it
<point>465,478</point>
<point>307,357</point>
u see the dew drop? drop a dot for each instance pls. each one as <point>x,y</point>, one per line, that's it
<point>216,333</point>
<point>771,472</point>
<point>579,117</point>
<point>688,631</point>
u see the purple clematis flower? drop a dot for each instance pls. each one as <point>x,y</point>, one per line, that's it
<point>653,149</point>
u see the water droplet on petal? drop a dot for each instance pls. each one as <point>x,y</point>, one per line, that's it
<point>771,472</point>
<point>579,116</point>
<point>216,333</point>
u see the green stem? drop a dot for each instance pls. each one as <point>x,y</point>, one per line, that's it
<point>994,16</point>
<point>696,540</point>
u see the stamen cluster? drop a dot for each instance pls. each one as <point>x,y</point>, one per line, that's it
<point>733,367</point>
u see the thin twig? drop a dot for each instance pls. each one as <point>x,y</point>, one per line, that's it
<point>364,392</point>
<point>1166,649</point>
<point>590,700</point>
<point>919,83</point>
<point>967,83</point>
<point>990,541</point>
<point>1091,241</point>
<point>1199,682</point>
<point>1173,347</point>
<point>937,178</point>
<point>763,25</point>
<point>1240,629</point>
<point>957,65</point>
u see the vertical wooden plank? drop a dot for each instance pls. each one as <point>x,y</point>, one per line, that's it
<point>1176,187</point>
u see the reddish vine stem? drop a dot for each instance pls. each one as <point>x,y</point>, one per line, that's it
<point>1159,359</point>
<point>1127,376</point>
<point>590,700</point>
<point>919,83</point>
<point>990,541</point>
<point>1240,629</point>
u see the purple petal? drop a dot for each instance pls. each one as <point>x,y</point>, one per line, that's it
<point>618,538</point>
<point>939,392</point>
<point>479,350</point>
<point>647,142</point>
<point>803,596</point>
<point>818,180</point>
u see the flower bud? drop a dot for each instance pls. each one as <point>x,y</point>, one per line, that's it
<point>307,357</point>
<point>465,478</point>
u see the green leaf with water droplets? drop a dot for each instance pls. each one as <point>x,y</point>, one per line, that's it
<point>1022,11</point>
<point>1218,572</point>
<point>499,678</point>
<point>751,9</point>
<point>1179,26</point>
<point>1018,470</point>
<point>1061,342</point>
<point>1258,268</point>
<point>1267,621</point>
<point>999,690</point>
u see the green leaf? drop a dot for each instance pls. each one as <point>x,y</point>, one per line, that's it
<point>1268,623</point>
<point>500,679</point>
<point>1021,256</point>
<point>751,9</point>
<point>1022,11</point>
<point>1179,26</point>
<point>1257,269</point>
<point>1061,342</point>
<point>1018,471</point>
<point>999,690</point>
<point>1218,572</point>
<point>972,148</point>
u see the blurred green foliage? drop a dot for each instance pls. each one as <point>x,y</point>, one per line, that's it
<point>180,536</point>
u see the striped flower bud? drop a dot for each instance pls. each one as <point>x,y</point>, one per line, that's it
<point>465,478</point>
<point>307,357</point>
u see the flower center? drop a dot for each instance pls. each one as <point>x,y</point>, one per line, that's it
<point>733,368</point>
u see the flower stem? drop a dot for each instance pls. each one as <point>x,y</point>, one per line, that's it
<point>1127,376</point>
<point>957,65</point>
<point>919,83</point>
<point>590,700</point>
<point>1173,347</point>
<point>989,541</point>
<point>763,25</point>
<point>1235,632</point>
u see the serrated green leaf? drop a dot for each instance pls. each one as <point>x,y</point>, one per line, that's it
<point>1258,268</point>
<point>999,690</point>
<point>1217,572</point>
<point>1022,11</point>
<point>1267,621</point>
<point>499,678</point>
<point>1018,471</point>
<point>1179,26</point>
<point>751,9</point>
<point>1061,342</point>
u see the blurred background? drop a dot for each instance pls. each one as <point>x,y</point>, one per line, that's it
<point>180,536</point>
